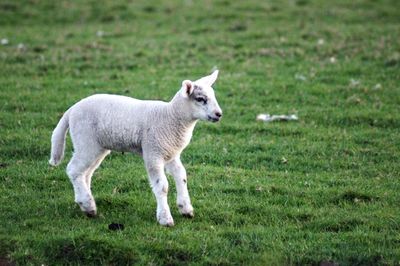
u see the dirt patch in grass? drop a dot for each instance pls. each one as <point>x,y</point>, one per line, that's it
<point>300,217</point>
<point>334,225</point>
<point>5,262</point>
<point>354,197</point>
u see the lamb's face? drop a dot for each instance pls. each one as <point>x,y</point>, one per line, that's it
<point>201,98</point>
<point>204,104</point>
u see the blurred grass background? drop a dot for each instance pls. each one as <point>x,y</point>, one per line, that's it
<point>321,190</point>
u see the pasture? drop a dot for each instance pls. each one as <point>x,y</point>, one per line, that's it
<point>324,189</point>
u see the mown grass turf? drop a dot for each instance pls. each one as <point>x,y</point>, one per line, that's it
<point>324,189</point>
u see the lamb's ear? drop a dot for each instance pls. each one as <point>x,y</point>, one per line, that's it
<point>213,77</point>
<point>187,88</point>
<point>208,80</point>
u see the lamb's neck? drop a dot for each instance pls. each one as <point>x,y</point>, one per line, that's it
<point>181,113</point>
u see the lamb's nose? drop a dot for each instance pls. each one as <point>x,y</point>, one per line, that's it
<point>218,114</point>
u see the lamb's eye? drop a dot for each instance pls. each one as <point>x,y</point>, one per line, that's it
<point>200,99</point>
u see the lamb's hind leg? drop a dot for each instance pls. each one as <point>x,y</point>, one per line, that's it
<point>177,170</point>
<point>93,167</point>
<point>80,165</point>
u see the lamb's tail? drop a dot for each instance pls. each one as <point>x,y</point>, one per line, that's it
<point>58,140</point>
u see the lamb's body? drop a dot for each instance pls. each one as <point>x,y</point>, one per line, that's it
<point>157,130</point>
<point>126,124</point>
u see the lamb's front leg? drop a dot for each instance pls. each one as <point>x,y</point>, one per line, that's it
<point>177,170</point>
<point>159,185</point>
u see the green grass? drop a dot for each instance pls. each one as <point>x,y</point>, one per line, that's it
<point>325,188</point>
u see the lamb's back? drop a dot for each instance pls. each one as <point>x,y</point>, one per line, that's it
<point>118,121</point>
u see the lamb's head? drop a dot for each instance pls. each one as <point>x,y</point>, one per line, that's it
<point>201,98</point>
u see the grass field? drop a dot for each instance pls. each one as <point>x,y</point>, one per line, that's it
<point>324,189</point>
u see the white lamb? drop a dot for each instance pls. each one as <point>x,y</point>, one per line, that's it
<point>159,131</point>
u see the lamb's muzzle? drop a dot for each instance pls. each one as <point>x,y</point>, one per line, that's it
<point>217,116</point>
<point>159,131</point>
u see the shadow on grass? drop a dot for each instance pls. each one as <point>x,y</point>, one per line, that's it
<point>171,255</point>
<point>354,197</point>
<point>85,250</point>
<point>355,261</point>
<point>335,225</point>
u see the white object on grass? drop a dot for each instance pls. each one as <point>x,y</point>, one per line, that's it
<point>271,118</point>
<point>100,33</point>
<point>300,77</point>
<point>4,41</point>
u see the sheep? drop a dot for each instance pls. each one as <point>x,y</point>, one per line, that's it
<point>156,130</point>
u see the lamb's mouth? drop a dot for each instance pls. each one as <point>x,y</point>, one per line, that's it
<point>212,119</point>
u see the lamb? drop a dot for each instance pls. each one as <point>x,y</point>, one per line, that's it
<point>156,130</point>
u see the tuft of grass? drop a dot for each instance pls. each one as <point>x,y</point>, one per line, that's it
<point>320,191</point>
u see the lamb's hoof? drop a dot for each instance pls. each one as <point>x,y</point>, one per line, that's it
<point>91,214</point>
<point>186,210</point>
<point>170,224</point>
<point>189,215</point>
<point>167,224</point>
<point>166,221</point>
